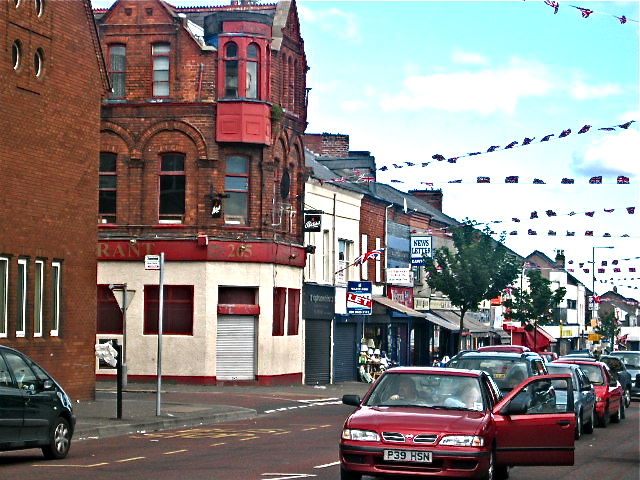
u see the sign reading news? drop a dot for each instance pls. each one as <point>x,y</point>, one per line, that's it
<point>420,246</point>
<point>359,300</point>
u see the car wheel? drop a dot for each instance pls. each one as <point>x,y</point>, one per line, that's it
<point>347,475</point>
<point>588,427</point>
<point>615,418</point>
<point>59,440</point>
<point>603,421</point>
<point>490,474</point>
<point>627,398</point>
<point>623,410</point>
<point>579,426</point>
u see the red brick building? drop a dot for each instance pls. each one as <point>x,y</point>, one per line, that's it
<point>52,79</point>
<point>201,160</point>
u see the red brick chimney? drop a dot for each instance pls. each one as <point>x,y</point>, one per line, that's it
<point>332,145</point>
<point>432,197</point>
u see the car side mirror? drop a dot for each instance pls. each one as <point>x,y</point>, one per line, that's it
<point>517,406</point>
<point>353,400</point>
<point>47,385</point>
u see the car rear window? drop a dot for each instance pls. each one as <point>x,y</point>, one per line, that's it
<point>594,373</point>
<point>631,360</point>
<point>507,372</point>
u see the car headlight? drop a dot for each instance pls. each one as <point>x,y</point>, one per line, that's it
<point>462,441</point>
<point>360,435</point>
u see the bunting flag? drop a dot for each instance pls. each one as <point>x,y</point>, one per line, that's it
<point>515,144</point>
<point>586,12</point>
<point>620,180</point>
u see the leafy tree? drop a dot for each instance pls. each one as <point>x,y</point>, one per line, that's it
<point>479,269</point>
<point>608,327</point>
<point>536,303</point>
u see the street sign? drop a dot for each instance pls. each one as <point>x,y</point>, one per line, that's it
<point>420,246</point>
<point>152,262</point>
<point>359,298</point>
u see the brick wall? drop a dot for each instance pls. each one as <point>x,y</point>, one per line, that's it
<point>332,145</point>
<point>48,153</point>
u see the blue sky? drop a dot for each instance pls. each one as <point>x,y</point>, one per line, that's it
<point>410,79</point>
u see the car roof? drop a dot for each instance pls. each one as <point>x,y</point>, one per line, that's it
<point>578,361</point>
<point>438,370</point>
<point>492,354</point>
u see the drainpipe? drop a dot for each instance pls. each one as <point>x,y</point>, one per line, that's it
<point>200,80</point>
<point>333,240</point>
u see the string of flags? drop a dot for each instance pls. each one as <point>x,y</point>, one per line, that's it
<point>551,213</point>
<point>597,180</point>
<point>513,144</point>
<point>587,12</point>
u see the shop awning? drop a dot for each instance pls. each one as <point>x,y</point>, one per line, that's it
<point>398,307</point>
<point>435,319</point>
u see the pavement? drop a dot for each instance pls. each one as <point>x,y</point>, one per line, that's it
<point>184,406</point>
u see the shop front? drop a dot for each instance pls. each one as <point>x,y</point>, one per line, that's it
<point>318,307</point>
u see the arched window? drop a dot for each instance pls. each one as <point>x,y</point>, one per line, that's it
<point>172,188</point>
<point>231,71</point>
<point>252,70</point>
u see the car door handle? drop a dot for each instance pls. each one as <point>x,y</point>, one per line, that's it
<point>562,423</point>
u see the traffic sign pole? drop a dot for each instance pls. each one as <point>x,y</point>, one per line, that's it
<point>160,312</point>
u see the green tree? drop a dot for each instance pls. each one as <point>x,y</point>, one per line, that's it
<point>608,327</point>
<point>536,303</point>
<point>478,269</point>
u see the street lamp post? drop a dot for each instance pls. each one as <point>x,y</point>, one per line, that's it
<point>593,280</point>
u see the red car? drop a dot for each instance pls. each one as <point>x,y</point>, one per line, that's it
<point>504,348</point>
<point>609,404</point>
<point>447,422</point>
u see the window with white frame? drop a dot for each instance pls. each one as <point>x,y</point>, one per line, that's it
<point>38,288</point>
<point>364,271</point>
<point>117,70</point>
<point>22,297</point>
<point>56,291</point>
<point>160,53</point>
<point>4,294</point>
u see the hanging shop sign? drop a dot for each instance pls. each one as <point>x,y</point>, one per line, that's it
<point>399,276</point>
<point>359,300</point>
<point>312,222</point>
<point>420,247</point>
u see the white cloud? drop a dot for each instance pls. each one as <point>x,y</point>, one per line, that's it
<point>582,91</point>
<point>341,24</point>
<point>486,91</point>
<point>610,154</point>
<point>459,56</point>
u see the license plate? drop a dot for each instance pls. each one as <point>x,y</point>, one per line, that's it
<point>407,456</point>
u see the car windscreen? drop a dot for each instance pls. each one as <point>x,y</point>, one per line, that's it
<point>631,360</point>
<point>507,372</point>
<point>427,390</point>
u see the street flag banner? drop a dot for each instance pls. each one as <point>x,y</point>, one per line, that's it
<point>373,254</point>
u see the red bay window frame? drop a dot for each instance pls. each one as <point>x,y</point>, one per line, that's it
<point>243,43</point>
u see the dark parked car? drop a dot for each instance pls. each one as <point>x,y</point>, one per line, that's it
<point>507,369</point>
<point>631,360</point>
<point>34,410</point>
<point>609,403</point>
<point>445,422</point>
<point>616,365</point>
<point>584,396</point>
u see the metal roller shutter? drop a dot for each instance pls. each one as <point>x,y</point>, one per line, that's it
<point>235,348</point>
<point>344,353</point>
<point>317,345</point>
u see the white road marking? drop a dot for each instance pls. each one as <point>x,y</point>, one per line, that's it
<point>327,465</point>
